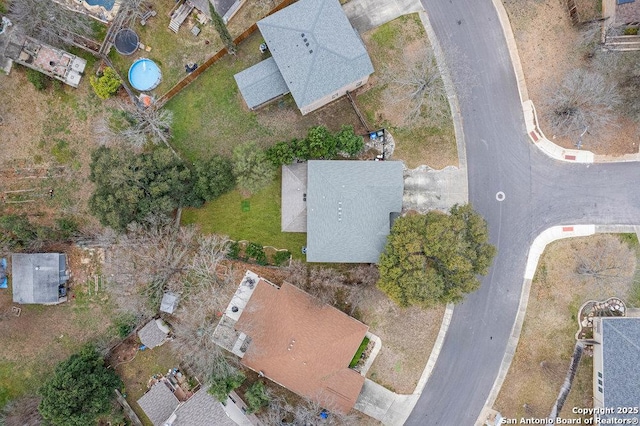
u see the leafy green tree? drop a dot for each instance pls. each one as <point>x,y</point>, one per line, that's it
<point>435,258</point>
<point>252,169</point>
<point>224,378</point>
<point>107,84</point>
<point>348,142</point>
<point>256,397</point>
<point>281,153</point>
<point>321,143</point>
<point>213,178</point>
<point>81,390</point>
<point>131,187</point>
<point>300,149</point>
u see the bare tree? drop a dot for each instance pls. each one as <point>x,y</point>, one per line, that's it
<point>605,261</point>
<point>584,100</point>
<point>420,85</point>
<point>306,412</point>
<point>48,21</point>
<point>148,260</point>
<point>148,124</point>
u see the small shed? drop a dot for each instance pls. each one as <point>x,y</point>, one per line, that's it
<point>39,278</point>
<point>169,302</point>
<point>154,333</point>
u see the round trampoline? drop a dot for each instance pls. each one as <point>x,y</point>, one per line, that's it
<point>144,75</point>
<point>126,41</point>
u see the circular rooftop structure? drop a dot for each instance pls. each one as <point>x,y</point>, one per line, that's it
<point>126,41</point>
<point>144,75</point>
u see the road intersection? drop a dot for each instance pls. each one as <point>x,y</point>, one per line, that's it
<point>519,190</point>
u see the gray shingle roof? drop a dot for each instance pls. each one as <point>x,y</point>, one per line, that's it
<point>261,83</point>
<point>36,277</point>
<point>158,403</point>
<point>202,409</point>
<point>316,49</point>
<point>620,357</point>
<point>349,204</point>
<point>151,335</point>
<point>294,189</point>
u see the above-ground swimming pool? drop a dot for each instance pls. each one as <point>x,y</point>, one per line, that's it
<point>107,4</point>
<point>144,75</point>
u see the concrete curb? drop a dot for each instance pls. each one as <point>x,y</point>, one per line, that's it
<point>537,248</point>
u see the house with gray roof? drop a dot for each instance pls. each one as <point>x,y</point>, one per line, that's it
<point>616,356</point>
<point>163,408</point>
<point>158,403</point>
<point>316,55</point>
<point>349,206</point>
<point>39,278</point>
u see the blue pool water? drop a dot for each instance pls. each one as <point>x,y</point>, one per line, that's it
<point>144,74</point>
<point>107,4</point>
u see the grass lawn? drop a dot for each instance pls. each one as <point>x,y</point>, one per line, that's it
<point>169,50</point>
<point>136,374</point>
<point>392,47</point>
<point>42,336</point>
<point>260,224</point>
<point>210,115</point>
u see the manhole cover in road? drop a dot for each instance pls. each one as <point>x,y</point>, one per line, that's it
<point>500,196</point>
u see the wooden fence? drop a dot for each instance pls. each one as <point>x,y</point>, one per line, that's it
<point>212,60</point>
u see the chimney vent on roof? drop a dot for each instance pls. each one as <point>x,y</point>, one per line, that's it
<point>302,35</point>
<point>234,309</point>
<point>310,51</point>
<point>305,40</point>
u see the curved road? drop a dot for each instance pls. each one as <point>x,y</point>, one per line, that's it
<point>539,193</point>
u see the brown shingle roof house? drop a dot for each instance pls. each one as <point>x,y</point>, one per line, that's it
<point>302,344</point>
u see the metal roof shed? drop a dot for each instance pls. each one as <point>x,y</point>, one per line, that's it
<point>37,277</point>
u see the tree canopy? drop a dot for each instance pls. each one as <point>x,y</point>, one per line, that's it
<point>435,258</point>
<point>252,169</point>
<point>319,143</point>
<point>214,177</point>
<point>131,187</point>
<point>80,391</point>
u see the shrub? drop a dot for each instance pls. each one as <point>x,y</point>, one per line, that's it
<point>124,324</point>
<point>252,169</point>
<point>107,84</point>
<point>66,226</point>
<point>631,31</point>
<point>256,397</point>
<point>234,250</point>
<point>253,250</point>
<point>281,257</point>
<point>39,80</point>
<point>222,383</point>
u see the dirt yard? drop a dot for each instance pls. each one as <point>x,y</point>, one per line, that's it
<point>550,47</point>
<point>41,336</point>
<point>407,334</point>
<point>548,334</point>
<point>420,140</point>
<point>46,144</point>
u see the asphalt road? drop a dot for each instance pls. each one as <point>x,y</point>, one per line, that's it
<point>538,193</point>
